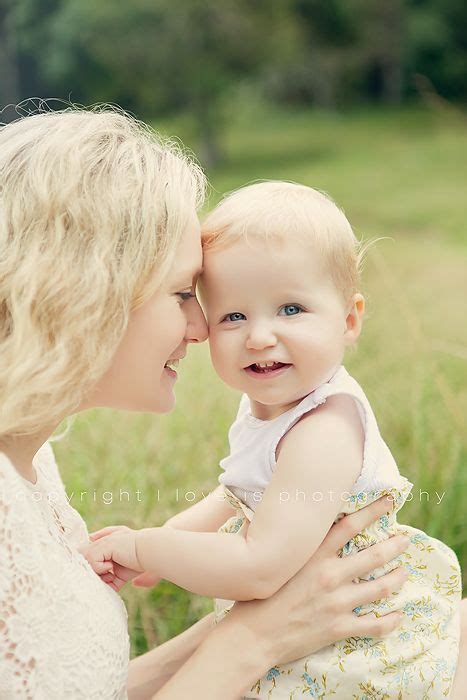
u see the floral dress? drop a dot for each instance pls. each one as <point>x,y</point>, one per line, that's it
<point>418,659</point>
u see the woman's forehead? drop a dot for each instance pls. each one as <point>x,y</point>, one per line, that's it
<point>189,259</point>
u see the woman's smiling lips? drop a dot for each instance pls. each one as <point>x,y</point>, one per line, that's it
<point>266,370</point>
<point>170,366</point>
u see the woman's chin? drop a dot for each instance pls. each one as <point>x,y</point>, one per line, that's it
<point>160,402</point>
<point>164,402</point>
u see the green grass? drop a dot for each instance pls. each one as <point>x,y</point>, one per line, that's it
<point>397,174</point>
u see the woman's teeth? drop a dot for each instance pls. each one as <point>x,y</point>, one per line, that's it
<point>172,364</point>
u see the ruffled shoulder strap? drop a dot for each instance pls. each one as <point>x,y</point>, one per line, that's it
<point>379,470</point>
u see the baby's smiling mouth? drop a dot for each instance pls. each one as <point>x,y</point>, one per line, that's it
<point>266,367</point>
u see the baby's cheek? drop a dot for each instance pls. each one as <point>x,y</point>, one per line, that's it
<point>222,356</point>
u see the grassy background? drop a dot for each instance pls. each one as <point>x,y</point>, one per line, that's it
<point>397,174</point>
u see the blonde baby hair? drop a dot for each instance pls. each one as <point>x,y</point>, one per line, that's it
<point>93,205</point>
<point>283,212</point>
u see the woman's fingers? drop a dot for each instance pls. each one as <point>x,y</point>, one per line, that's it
<point>146,580</point>
<point>93,536</point>
<point>369,591</point>
<point>357,565</point>
<point>371,626</point>
<point>351,525</point>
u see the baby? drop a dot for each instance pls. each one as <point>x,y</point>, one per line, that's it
<point>280,291</point>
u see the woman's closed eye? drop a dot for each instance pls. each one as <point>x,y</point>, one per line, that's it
<point>184,296</point>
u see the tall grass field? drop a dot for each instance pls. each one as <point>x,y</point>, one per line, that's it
<point>399,175</point>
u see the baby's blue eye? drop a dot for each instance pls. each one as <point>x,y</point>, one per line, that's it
<point>291,310</point>
<point>235,316</point>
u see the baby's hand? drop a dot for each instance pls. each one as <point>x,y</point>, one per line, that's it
<point>118,575</point>
<point>112,547</point>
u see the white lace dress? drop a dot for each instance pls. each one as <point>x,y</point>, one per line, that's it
<point>63,633</point>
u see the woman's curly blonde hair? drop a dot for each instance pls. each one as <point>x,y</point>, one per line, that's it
<point>92,204</point>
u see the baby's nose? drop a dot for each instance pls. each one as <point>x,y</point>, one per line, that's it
<point>260,336</point>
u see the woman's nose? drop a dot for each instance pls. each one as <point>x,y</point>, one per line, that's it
<point>260,336</point>
<point>197,328</point>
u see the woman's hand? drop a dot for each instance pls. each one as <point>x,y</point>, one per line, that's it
<point>316,606</point>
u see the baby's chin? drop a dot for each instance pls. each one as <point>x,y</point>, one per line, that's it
<point>277,399</point>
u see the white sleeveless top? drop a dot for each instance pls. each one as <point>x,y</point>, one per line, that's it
<point>253,442</point>
<point>63,632</point>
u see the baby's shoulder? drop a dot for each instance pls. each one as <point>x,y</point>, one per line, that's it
<point>336,419</point>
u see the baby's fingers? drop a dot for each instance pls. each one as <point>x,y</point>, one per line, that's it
<point>102,567</point>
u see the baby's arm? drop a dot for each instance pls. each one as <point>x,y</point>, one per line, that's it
<point>205,516</point>
<point>320,455</point>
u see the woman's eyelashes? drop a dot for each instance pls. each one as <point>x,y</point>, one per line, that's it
<point>284,310</point>
<point>189,294</point>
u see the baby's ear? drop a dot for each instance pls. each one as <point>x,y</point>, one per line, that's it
<point>354,320</point>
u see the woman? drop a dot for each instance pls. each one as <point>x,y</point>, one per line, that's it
<point>100,250</point>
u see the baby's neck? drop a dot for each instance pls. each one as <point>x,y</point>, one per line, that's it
<point>269,412</point>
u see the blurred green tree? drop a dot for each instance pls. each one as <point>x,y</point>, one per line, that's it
<point>9,57</point>
<point>156,56</point>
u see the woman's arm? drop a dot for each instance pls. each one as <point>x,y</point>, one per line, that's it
<point>150,671</point>
<point>312,610</point>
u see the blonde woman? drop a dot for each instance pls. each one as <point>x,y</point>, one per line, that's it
<point>99,254</point>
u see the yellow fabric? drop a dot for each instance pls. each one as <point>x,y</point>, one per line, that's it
<point>417,660</point>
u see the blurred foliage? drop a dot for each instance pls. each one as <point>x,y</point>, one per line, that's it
<point>157,57</point>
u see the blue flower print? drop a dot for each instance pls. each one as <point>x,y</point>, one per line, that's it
<point>312,688</point>
<point>384,521</point>
<point>272,673</point>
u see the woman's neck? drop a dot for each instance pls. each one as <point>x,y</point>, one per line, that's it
<point>20,450</point>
